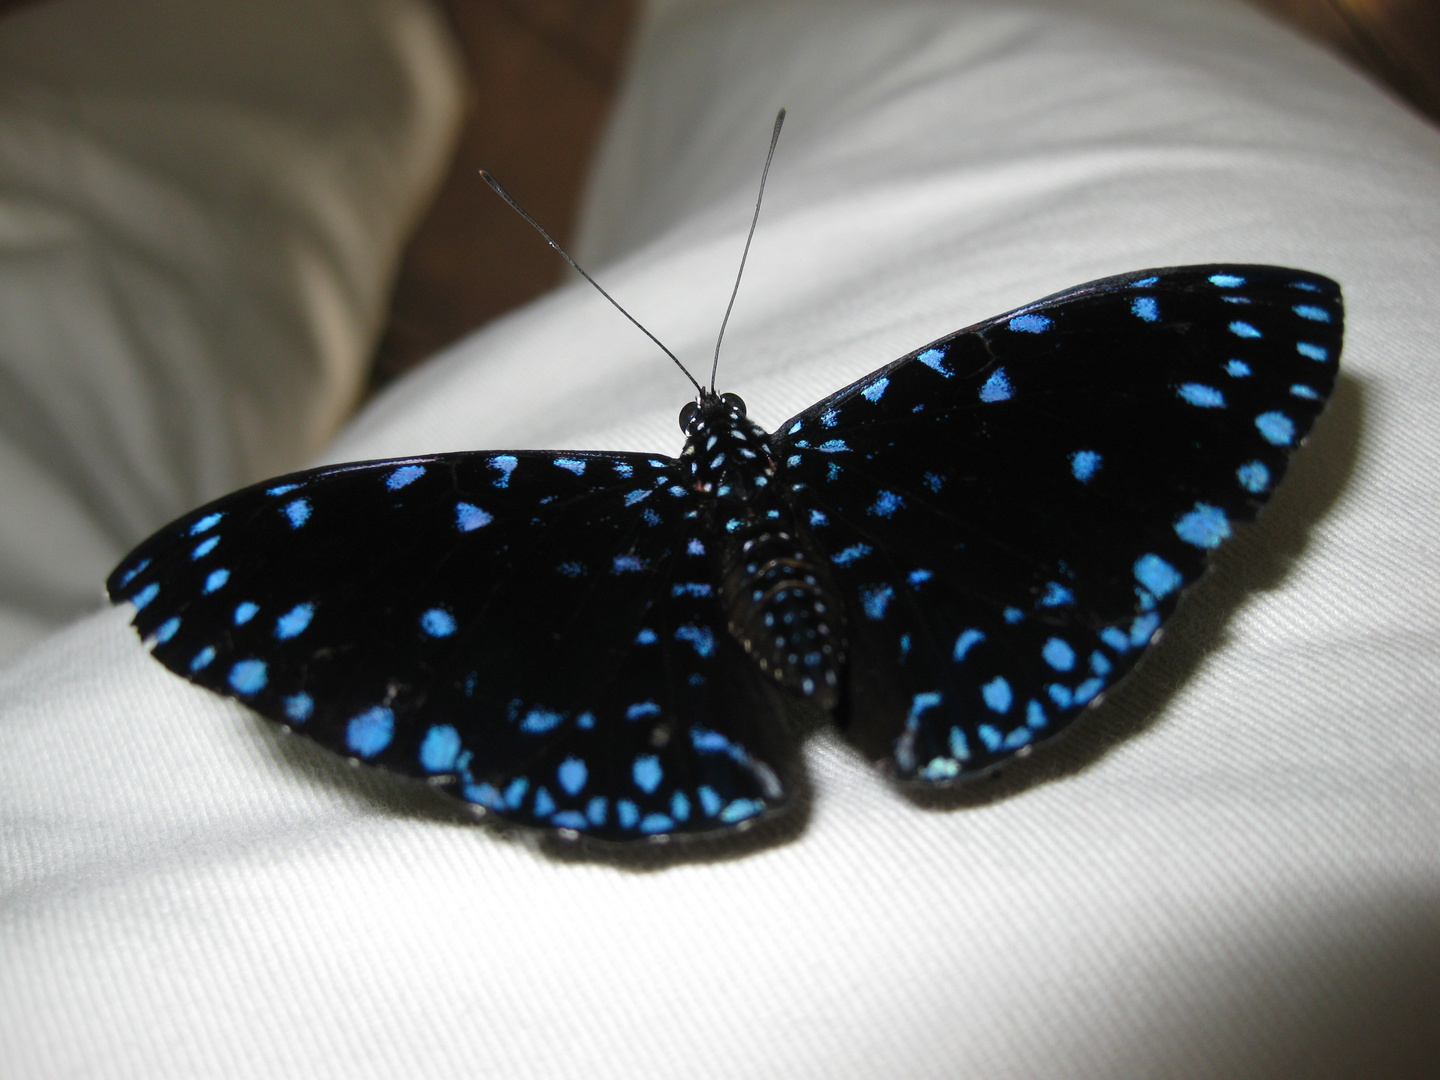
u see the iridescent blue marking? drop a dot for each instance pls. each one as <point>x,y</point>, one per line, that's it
<point>569,819</point>
<point>204,548</point>
<point>515,792</point>
<point>504,464</point>
<point>651,824</point>
<point>439,749</point>
<point>1201,396</point>
<point>934,359</point>
<point>437,622</point>
<point>833,446</point>
<point>1244,329</point>
<point>129,575</point>
<point>1146,308</point>
<point>829,418</point>
<point>1312,351</point>
<point>574,465</point>
<point>699,637</point>
<point>710,802</point>
<point>680,806</point>
<point>148,593</point>
<point>1308,393</point>
<point>1013,615</point>
<point>1086,691</point>
<point>297,511</point>
<point>1143,628</point>
<point>299,707</point>
<point>469,517</point>
<point>626,564</point>
<point>959,745</point>
<point>1312,312</point>
<point>1226,281</point>
<point>570,569</point>
<point>1060,695</point>
<point>245,611</point>
<point>1116,639</point>
<point>1237,369</point>
<point>875,599</point>
<point>642,709</point>
<point>990,736</point>
<point>695,547</point>
<point>1029,324</point>
<point>1035,715</point>
<point>1205,526</point>
<point>1143,283</point>
<point>850,554</point>
<point>1058,654</point>
<point>1084,464</point>
<point>371,731</point>
<point>1157,576</point>
<point>215,580</point>
<point>248,676</point>
<point>818,519</point>
<point>281,489</point>
<point>633,497</point>
<point>209,521</point>
<point>967,640</point>
<point>1254,476</point>
<point>1056,595</point>
<point>544,804</point>
<point>997,387</point>
<point>998,695</point>
<point>741,810</point>
<point>1100,664</point>
<point>627,813</point>
<point>540,720</point>
<point>624,470</point>
<point>585,721</point>
<point>1308,286</point>
<point>876,390</point>
<point>647,773</point>
<point>401,477</point>
<point>1276,428</point>
<point>166,630</point>
<point>919,577</point>
<point>886,503</point>
<point>202,658</point>
<point>646,636</point>
<point>573,775</point>
<point>691,588</point>
<point>294,621</point>
<point>596,810</point>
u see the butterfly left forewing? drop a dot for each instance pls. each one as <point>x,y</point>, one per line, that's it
<point>1013,511</point>
<point>490,622</point>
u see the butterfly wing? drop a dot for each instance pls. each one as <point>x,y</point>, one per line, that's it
<point>1012,512</point>
<point>534,632</point>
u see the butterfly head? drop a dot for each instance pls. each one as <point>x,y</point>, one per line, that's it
<point>711,411</point>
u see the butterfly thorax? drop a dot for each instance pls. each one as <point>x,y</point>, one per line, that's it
<point>778,601</point>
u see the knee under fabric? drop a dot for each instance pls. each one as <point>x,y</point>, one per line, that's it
<point>1228,873</point>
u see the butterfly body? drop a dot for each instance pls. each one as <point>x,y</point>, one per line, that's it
<point>778,602</point>
<point>954,557</point>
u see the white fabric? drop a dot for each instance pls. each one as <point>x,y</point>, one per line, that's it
<point>201,208</point>
<point>1231,871</point>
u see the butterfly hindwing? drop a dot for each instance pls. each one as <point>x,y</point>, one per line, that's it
<point>1011,512</point>
<point>535,632</point>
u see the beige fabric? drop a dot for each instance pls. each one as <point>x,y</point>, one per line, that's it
<point>1232,871</point>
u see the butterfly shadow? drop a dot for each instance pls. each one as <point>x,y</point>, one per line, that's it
<point>1257,559</point>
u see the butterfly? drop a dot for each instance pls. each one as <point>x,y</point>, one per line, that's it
<point>952,559</point>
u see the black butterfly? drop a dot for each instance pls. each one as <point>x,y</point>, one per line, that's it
<point>953,557</point>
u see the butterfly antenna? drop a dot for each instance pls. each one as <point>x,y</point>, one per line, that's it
<point>774,138</point>
<point>495,186</point>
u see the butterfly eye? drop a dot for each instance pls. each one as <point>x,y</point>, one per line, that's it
<point>688,415</point>
<point>735,403</point>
